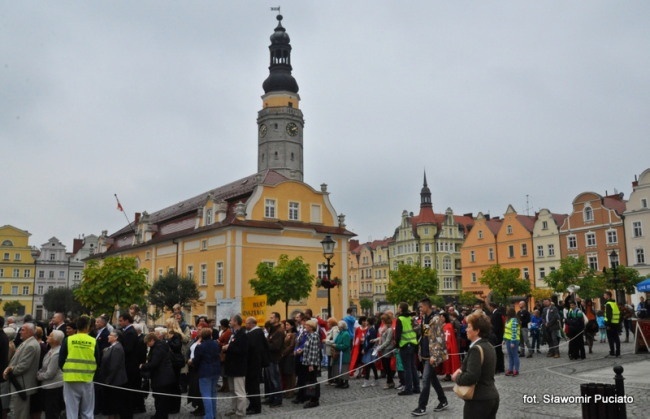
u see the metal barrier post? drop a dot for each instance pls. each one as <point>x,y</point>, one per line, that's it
<point>620,390</point>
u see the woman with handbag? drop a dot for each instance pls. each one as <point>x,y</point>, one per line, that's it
<point>477,370</point>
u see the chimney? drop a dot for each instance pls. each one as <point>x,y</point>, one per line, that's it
<point>635,182</point>
<point>137,218</point>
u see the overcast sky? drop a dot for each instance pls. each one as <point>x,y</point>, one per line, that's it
<point>156,101</point>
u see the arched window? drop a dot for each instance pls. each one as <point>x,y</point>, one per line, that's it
<point>588,214</point>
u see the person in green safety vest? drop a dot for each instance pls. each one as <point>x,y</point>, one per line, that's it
<point>78,359</point>
<point>407,342</point>
<point>612,324</point>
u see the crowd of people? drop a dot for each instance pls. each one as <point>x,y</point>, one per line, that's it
<point>83,367</point>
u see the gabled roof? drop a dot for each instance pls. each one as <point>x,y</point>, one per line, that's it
<point>241,188</point>
<point>615,202</point>
<point>528,221</point>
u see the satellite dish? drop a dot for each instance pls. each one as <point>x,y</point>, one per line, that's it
<point>573,288</point>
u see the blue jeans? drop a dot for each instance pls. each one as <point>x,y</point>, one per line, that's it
<point>513,354</point>
<point>429,378</point>
<point>411,380</point>
<point>208,389</point>
<point>273,372</point>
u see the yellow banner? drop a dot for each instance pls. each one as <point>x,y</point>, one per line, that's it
<point>255,307</point>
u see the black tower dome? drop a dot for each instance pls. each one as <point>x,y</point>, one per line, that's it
<point>280,78</point>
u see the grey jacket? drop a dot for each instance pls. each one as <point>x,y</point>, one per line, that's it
<point>473,372</point>
<point>553,317</point>
<point>25,364</point>
<point>50,373</point>
<point>112,370</point>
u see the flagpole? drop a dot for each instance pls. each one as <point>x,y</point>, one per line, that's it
<point>121,208</point>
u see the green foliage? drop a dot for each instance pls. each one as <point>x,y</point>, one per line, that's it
<point>171,289</point>
<point>467,298</point>
<point>366,304</point>
<point>288,280</point>
<point>63,300</point>
<point>575,271</point>
<point>411,283</point>
<point>12,307</point>
<point>437,300</point>
<point>627,279</point>
<point>116,282</point>
<point>504,283</point>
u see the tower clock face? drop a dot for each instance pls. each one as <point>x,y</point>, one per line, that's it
<point>292,129</point>
<point>262,130</point>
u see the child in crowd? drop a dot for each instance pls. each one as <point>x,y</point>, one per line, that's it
<point>600,318</point>
<point>535,327</point>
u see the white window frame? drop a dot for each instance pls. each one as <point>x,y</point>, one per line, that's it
<point>640,256</point>
<point>572,241</point>
<point>25,289</point>
<point>203,274</point>
<point>540,250</point>
<point>551,250</point>
<point>590,239</point>
<point>294,211</point>
<point>524,249</point>
<point>219,273</point>
<point>472,256</point>
<point>588,214</point>
<point>612,236</point>
<point>190,271</point>
<point>491,253</point>
<point>637,229</point>
<point>269,208</point>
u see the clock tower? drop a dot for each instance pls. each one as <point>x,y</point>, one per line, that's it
<point>280,122</point>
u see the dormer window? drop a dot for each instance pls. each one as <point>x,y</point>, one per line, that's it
<point>208,217</point>
<point>588,214</point>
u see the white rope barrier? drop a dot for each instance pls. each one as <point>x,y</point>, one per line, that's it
<point>349,373</point>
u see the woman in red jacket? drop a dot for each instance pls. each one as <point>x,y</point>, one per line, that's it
<point>453,357</point>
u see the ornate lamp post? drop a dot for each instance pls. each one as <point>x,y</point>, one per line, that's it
<point>328,252</point>
<point>613,262</point>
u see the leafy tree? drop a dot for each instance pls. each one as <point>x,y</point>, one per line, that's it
<point>116,282</point>
<point>467,298</point>
<point>12,307</point>
<point>62,299</point>
<point>576,271</point>
<point>288,280</point>
<point>171,289</point>
<point>437,300</point>
<point>627,279</point>
<point>504,282</point>
<point>541,293</point>
<point>366,305</point>
<point>411,283</point>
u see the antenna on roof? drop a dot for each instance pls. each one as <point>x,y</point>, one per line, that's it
<point>528,204</point>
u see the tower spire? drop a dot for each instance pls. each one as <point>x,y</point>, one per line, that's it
<point>425,194</point>
<point>280,122</point>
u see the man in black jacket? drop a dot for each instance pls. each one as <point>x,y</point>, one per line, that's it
<point>275,343</point>
<point>496,337</point>
<point>129,342</point>
<point>258,350</point>
<point>524,318</point>
<point>236,364</point>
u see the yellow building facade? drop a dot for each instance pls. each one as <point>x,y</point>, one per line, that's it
<point>17,269</point>
<point>221,236</point>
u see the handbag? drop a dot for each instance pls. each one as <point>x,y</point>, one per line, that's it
<point>467,392</point>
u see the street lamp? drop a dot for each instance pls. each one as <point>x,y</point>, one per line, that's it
<point>613,262</point>
<point>328,252</point>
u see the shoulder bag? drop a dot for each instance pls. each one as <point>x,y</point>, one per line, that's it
<point>467,392</point>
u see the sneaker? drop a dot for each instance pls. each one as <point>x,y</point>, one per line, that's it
<point>508,373</point>
<point>530,355</point>
<point>373,382</point>
<point>400,388</point>
<point>389,386</point>
<point>441,406</point>
<point>515,373</point>
<point>419,412</point>
<point>366,383</point>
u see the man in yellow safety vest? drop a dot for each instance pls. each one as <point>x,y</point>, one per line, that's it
<point>613,324</point>
<point>78,359</point>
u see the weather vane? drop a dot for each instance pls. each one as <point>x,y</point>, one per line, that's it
<point>275,9</point>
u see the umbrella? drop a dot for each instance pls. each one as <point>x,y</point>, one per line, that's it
<point>643,286</point>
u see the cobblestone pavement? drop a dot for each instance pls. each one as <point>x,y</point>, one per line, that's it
<point>539,376</point>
